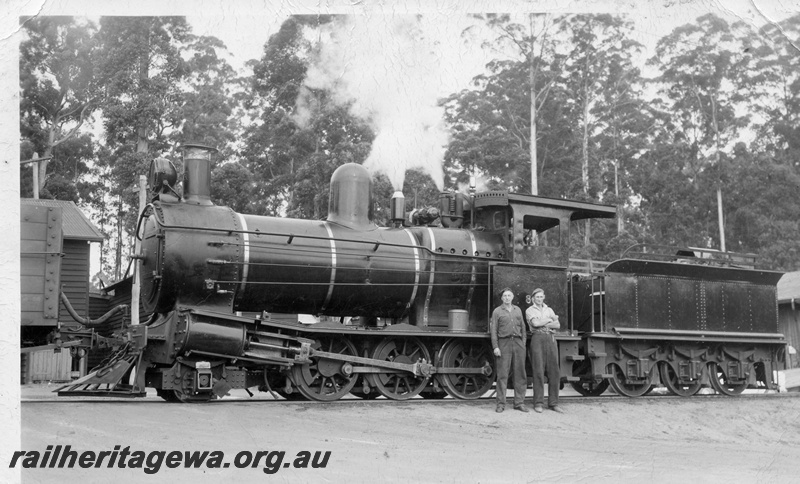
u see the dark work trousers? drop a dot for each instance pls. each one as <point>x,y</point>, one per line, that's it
<point>544,361</point>
<point>512,356</point>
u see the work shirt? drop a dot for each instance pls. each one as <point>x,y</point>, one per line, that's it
<point>506,323</point>
<point>535,313</point>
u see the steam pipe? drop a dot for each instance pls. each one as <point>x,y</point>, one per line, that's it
<point>91,322</point>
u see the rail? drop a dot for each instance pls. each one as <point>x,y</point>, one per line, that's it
<point>587,266</point>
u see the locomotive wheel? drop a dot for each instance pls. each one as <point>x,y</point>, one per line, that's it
<point>358,391</point>
<point>182,395</point>
<point>622,387</point>
<point>720,382</point>
<point>292,397</point>
<point>167,395</point>
<point>465,354</point>
<point>589,388</point>
<point>277,385</point>
<point>670,380</point>
<point>403,385</point>
<point>323,379</point>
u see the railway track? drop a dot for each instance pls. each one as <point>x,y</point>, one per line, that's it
<point>569,397</point>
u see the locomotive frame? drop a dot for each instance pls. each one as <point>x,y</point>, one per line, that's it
<point>214,280</point>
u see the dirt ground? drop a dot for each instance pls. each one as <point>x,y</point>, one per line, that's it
<point>751,438</point>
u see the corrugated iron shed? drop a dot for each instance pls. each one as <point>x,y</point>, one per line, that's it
<point>789,287</point>
<point>76,225</point>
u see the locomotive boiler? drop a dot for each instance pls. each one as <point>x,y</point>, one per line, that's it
<point>405,307</point>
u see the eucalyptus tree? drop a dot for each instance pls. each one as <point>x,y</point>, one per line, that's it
<point>298,135</point>
<point>209,99</point>
<point>528,41</point>
<point>762,208</point>
<point>273,142</point>
<point>776,79</point>
<point>141,68</point>
<point>604,86</point>
<point>588,110</point>
<point>163,86</point>
<point>516,101</point>
<point>58,95</point>
<point>761,197</point>
<point>703,81</point>
<point>490,132</point>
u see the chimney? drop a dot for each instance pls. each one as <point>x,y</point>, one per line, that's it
<point>197,174</point>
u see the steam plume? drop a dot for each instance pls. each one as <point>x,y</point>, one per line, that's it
<point>387,67</point>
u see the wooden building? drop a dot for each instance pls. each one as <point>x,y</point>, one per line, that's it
<point>789,313</point>
<point>55,257</point>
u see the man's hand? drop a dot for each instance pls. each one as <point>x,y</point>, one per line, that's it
<point>497,352</point>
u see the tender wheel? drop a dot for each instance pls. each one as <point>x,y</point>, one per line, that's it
<point>325,379</point>
<point>720,382</point>
<point>589,388</point>
<point>670,380</point>
<point>466,354</point>
<point>400,385</point>
<point>629,389</point>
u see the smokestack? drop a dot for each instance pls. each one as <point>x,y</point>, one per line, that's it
<point>197,174</point>
<point>398,208</point>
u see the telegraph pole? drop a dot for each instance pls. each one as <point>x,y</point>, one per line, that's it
<point>35,164</point>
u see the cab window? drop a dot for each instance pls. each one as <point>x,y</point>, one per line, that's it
<point>541,231</point>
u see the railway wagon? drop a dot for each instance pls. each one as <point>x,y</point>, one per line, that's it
<point>406,306</point>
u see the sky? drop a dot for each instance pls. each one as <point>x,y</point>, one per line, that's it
<point>395,66</point>
<point>245,28</point>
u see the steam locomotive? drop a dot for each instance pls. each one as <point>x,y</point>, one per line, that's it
<point>405,308</point>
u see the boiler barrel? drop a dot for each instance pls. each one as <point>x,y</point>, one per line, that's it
<point>324,267</point>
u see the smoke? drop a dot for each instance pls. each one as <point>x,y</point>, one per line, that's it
<point>388,68</point>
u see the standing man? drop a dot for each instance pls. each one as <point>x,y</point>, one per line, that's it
<point>544,352</point>
<point>508,340</point>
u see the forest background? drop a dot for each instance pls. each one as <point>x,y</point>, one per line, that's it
<point>714,110</point>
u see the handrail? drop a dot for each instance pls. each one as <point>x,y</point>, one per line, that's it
<point>689,255</point>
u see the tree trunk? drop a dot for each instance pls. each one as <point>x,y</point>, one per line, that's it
<point>585,156</point>
<point>144,75</point>
<point>532,80</point>
<point>41,166</point>
<point>620,221</point>
<point>720,217</point>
